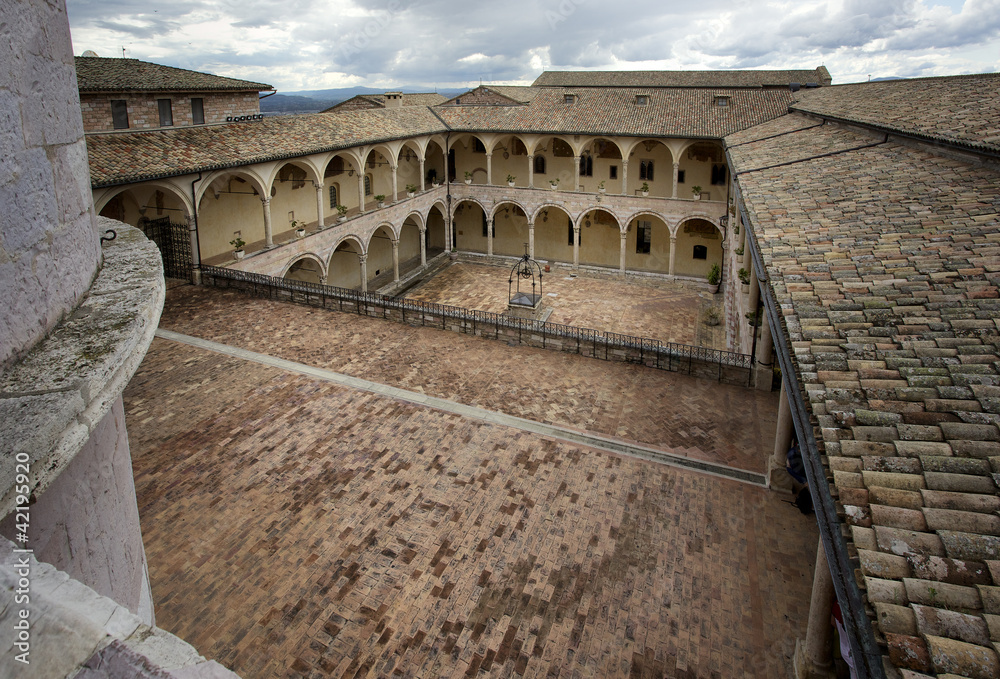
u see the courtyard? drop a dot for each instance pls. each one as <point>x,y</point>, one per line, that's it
<point>295,526</point>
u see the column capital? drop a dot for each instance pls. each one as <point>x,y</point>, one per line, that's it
<point>395,242</point>
<point>266,200</point>
<point>489,154</point>
<point>531,156</point>
<point>318,185</point>
<point>677,163</point>
<point>362,259</point>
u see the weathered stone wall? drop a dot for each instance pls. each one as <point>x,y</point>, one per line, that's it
<point>144,112</point>
<point>49,250</point>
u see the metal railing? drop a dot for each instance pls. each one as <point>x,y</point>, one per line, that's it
<point>724,366</point>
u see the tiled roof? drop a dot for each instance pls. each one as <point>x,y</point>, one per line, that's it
<point>734,78</point>
<point>101,74</point>
<point>378,100</point>
<point>884,262</point>
<point>124,158</point>
<point>613,111</point>
<point>960,110</point>
<point>515,93</point>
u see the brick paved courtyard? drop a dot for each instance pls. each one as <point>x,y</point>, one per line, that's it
<point>295,527</point>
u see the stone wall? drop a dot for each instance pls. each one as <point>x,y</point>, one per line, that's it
<point>50,249</point>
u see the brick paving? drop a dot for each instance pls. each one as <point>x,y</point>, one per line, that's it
<point>647,307</point>
<point>298,528</point>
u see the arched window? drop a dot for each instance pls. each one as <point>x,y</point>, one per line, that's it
<point>586,166</point>
<point>333,196</point>
<point>646,170</point>
<point>700,252</point>
<point>539,164</point>
<point>368,185</point>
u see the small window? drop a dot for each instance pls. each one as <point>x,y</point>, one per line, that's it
<point>198,111</point>
<point>368,185</point>
<point>569,98</point>
<point>646,170</point>
<point>641,99</point>
<point>700,252</point>
<point>718,175</point>
<point>587,166</point>
<point>539,164</point>
<point>613,172</point>
<point>721,100</point>
<point>680,176</point>
<point>166,113</point>
<point>119,114</point>
<point>333,197</point>
<point>643,236</point>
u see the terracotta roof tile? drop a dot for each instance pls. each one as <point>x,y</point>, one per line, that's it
<point>733,78</point>
<point>100,74</point>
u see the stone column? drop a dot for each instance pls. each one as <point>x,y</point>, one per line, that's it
<point>754,290</point>
<point>624,177</point>
<point>531,171</point>
<point>266,202</point>
<point>489,237</point>
<point>531,239</point>
<point>764,369</point>
<point>449,224</point>
<point>777,477</point>
<point>621,254</point>
<point>319,205</point>
<point>489,169</point>
<point>361,192</point>
<point>423,246</point>
<point>673,253</point>
<point>673,193</point>
<point>422,174</point>
<point>576,173</point>
<point>192,223</point>
<point>576,246</point>
<point>814,658</point>
<point>363,260</point>
<point>395,190</point>
<point>395,260</point>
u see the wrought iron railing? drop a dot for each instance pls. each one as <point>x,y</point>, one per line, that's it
<point>726,366</point>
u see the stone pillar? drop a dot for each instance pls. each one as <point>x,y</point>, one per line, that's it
<point>395,189</point>
<point>192,223</point>
<point>489,169</point>
<point>489,237</point>
<point>423,246</point>
<point>673,253</point>
<point>576,173</point>
<point>624,177</point>
<point>763,368</point>
<point>319,205</point>
<point>531,171</point>
<point>448,226</point>
<point>814,658</point>
<point>777,477</point>
<point>531,239</point>
<point>576,246</point>
<point>754,290</point>
<point>268,241</point>
<point>363,260</point>
<point>361,192</point>
<point>621,254</point>
<point>422,174</point>
<point>673,192</point>
<point>395,260</point>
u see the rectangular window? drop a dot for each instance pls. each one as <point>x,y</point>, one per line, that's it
<point>641,99</point>
<point>613,172</point>
<point>718,175</point>
<point>569,98</point>
<point>333,197</point>
<point>198,111</point>
<point>643,236</point>
<point>119,114</point>
<point>166,113</point>
<point>477,146</point>
<point>680,176</point>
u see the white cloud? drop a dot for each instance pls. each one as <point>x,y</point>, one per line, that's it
<point>315,44</point>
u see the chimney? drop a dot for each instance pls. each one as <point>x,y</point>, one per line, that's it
<point>393,99</point>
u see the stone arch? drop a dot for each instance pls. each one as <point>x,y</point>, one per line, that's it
<point>553,226</point>
<point>318,267</point>
<point>181,196</point>
<point>435,222</point>
<point>379,250</point>
<point>469,219</point>
<point>467,199</point>
<point>647,249</point>
<point>245,173</point>
<point>697,159</point>
<point>230,204</point>
<point>344,265</point>
<point>510,228</point>
<point>435,167</point>
<point>600,237</point>
<point>303,163</point>
<point>648,156</point>
<point>703,232</point>
<point>410,232</point>
<point>548,206</point>
<point>293,195</point>
<point>559,166</point>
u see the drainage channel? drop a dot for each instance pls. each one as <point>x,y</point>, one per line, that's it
<point>552,431</point>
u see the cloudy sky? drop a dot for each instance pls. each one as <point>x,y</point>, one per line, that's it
<point>319,44</point>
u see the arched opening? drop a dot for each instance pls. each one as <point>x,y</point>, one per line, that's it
<point>553,227</point>
<point>651,163</point>
<point>407,168</point>
<point>647,247</point>
<point>378,177</point>
<point>435,233</point>
<point>380,256</point>
<point>510,226</point>
<point>600,239</point>
<point>699,246</point>
<point>557,163</point>
<point>345,266</point>
<point>293,199</point>
<point>433,164</point>
<point>305,269</point>
<point>469,155</point>
<point>601,162</point>
<point>470,226</point>
<point>409,245</point>
<point>340,187</point>
<point>230,208</point>
<point>703,164</point>
<point>510,159</point>
<point>124,207</point>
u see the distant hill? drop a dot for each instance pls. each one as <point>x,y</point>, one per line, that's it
<point>314,101</point>
<point>343,93</point>
<point>286,103</point>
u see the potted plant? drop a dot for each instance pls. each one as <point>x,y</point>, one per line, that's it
<point>468,177</point>
<point>435,182</point>
<point>300,229</point>
<point>341,213</point>
<point>510,180</point>
<point>644,188</point>
<point>600,187</point>
<point>380,200</point>
<point>696,192</point>
<point>714,277</point>
<point>411,190</point>
<point>744,277</point>
<point>739,251</point>
<point>712,316</point>
<point>238,244</point>
<point>553,183</point>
